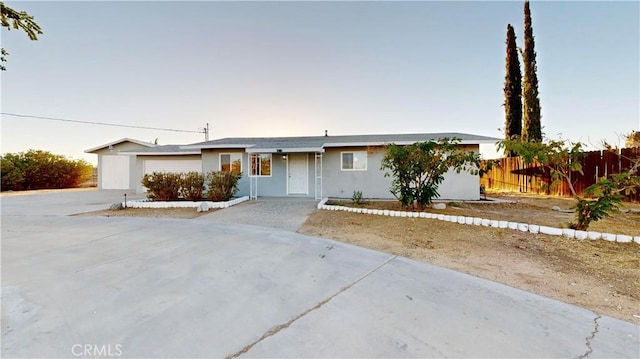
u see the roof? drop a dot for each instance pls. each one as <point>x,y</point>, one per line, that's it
<point>293,144</point>
<point>122,140</point>
<point>319,143</point>
<point>163,150</point>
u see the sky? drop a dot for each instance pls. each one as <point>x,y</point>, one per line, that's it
<point>299,68</point>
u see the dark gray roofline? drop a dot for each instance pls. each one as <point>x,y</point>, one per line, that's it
<point>296,144</point>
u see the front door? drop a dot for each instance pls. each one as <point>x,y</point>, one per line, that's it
<point>298,181</point>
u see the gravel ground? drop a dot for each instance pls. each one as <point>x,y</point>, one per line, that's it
<point>282,213</point>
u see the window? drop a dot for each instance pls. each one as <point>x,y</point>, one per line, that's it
<point>231,162</point>
<point>354,161</point>
<point>261,165</point>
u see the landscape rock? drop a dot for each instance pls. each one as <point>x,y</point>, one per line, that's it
<point>203,207</point>
<point>116,206</point>
<point>439,206</point>
<point>623,238</point>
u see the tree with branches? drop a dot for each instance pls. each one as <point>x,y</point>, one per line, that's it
<point>559,157</point>
<point>418,169</point>
<point>604,196</point>
<point>17,20</point>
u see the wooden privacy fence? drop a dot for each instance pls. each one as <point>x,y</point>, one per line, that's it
<point>515,176</point>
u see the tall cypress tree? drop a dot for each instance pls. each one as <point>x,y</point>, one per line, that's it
<point>512,88</point>
<point>531,130</point>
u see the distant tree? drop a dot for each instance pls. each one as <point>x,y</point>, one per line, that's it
<point>10,18</point>
<point>632,139</point>
<point>37,169</point>
<point>512,89</point>
<point>532,129</point>
<point>418,169</point>
<point>12,173</point>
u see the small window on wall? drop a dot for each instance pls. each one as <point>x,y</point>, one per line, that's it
<point>261,165</point>
<point>231,162</point>
<point>354,161</point>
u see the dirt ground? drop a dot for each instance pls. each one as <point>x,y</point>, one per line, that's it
<point>598,275</point>
<point>185,213</point>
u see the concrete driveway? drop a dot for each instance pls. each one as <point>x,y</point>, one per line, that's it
<point>281,213</point>
<point>144,287</point>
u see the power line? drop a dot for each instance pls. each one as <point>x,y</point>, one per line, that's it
<point>97,123</point>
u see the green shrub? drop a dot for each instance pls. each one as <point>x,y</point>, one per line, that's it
<point>162,186</point>
<point>606,200</point>
<point>222,185</point>
<point>191,185</point>
<point>37,169</point>
<point>357,199</point>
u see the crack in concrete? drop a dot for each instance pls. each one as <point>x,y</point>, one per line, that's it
<point>276,329</point>
<point>590,338</point>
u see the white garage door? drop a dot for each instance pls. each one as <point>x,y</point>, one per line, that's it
<point>114,172</point>
<point>177,166</point>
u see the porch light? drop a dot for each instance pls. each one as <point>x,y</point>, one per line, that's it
<point>284,157</point>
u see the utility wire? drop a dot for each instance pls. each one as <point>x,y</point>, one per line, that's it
<point>97,123</point>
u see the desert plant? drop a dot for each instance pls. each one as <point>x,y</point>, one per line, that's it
<point>162,186</point>
<point>191,185</point>
<point>357,199</point>
<point>222,185</point>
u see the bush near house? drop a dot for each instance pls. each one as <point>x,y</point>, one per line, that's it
<point>192,185</point>
<point>221,186</point>
<point>162,186</point>
<point>36,169</point>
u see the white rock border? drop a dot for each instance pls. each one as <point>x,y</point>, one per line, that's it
<point>523,227</point>
<point>145,203</point>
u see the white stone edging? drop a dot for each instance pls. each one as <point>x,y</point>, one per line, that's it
<point>322,203</point>
<point>145,203</point>
<point>523,227</point>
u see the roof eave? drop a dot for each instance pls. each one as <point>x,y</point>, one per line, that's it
<point>126,139</point>
<point>285,150</point>
<point>172,153</point>
<point>217,146</point>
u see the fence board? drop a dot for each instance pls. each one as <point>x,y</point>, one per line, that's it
<point>514,175</point>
